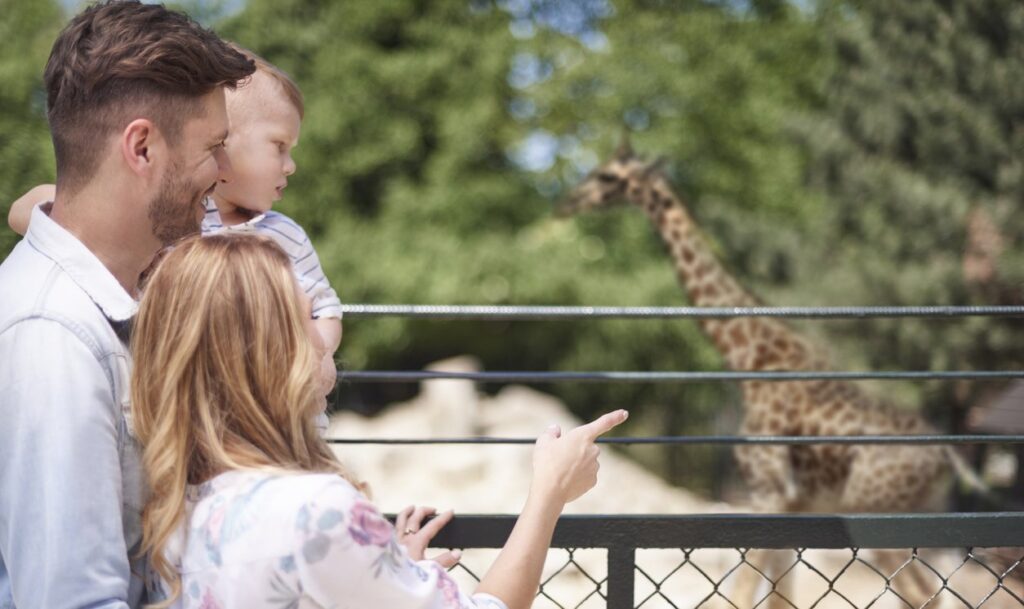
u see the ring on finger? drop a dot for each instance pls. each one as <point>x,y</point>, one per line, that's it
<point>408,531</point>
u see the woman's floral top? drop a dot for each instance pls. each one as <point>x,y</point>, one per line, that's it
<point>257,540</point>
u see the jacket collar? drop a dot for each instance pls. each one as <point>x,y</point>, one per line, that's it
<point>81,265</point>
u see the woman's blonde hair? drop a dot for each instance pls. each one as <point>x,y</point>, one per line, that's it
<point>224,377</point>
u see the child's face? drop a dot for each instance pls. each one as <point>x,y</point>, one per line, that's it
<point>259,149</point>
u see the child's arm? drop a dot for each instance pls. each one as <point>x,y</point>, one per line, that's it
<point>21,210</point>
<point>330,330</point>
<point>327,310</point>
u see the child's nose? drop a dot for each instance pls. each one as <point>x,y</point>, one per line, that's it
<point>289,166</point>
<point>223,165</point>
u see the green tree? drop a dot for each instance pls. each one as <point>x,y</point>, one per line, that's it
<point>924,123</point>
<point>27,30</point>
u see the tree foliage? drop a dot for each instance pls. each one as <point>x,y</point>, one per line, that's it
<point>924,129</point>
<point>27,30</point>
<point>834,155</point>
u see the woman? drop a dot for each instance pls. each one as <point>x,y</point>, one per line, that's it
<point>249,506</point>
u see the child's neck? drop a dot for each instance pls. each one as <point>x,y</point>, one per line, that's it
<point>231,214</point>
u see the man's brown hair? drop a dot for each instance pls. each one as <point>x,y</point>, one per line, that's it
<point>120,60</point>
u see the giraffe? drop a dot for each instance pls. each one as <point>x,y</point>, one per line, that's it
<point>799,478</point>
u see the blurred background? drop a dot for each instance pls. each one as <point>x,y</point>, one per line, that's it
<point>834,152</point>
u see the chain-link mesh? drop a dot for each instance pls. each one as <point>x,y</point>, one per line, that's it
<point>573,578</point>
<point>819,579</point>
<point>708,578</point>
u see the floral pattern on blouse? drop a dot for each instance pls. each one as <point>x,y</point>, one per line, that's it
<point>260,540</point>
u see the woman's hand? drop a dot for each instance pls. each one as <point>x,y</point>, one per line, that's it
<point>415,535</point>
<point>565,465</point>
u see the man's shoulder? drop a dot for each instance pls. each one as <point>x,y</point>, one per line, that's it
<point>25,278</point>
<point>34,287</point>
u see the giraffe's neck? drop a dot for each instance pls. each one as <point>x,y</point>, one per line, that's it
<point>746,344</point>
<point>702,275</point>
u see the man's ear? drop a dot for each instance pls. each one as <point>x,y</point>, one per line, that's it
<point>141,146</point>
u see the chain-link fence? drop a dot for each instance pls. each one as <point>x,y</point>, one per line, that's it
<point>606,561</point>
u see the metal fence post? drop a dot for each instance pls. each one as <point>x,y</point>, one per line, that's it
<point>621,571</point>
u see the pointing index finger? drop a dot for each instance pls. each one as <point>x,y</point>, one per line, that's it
<point>603,424</point>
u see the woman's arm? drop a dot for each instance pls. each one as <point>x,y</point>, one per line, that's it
<point>565,467</point>
<point>347,550</point>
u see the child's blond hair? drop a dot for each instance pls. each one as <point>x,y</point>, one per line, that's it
<point>288,87</point>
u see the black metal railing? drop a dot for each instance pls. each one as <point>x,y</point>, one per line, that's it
<point>899,560</point>
<point>626,583</point>
<point>729,440</point>
<point>413,376</point>
<point>538,313</point>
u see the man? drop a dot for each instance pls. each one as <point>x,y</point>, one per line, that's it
<point>136,110</point>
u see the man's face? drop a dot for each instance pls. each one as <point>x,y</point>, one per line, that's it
<point>195,166</point>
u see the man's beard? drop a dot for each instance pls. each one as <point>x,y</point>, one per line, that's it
<point>173,213</point>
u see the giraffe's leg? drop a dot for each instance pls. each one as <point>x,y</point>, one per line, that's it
<point>912,585</point>
<point>785,588</point>
<point>894,479</point>
<point>753,585</point>
<point>745,594</point>
<point>769,475</point>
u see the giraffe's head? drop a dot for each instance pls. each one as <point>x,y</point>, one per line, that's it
<point>617,181</point>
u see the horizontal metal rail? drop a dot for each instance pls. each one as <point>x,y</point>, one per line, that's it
<point>622,536</point>
<point>726,440</point>
<point>543,313</point>
<point>767,531</point>
<point>412,376</point>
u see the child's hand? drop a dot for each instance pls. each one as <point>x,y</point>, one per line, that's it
<point>328,373</point>
<point>329,329</point>
<point>21,210</point>
<point>565,465</point>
